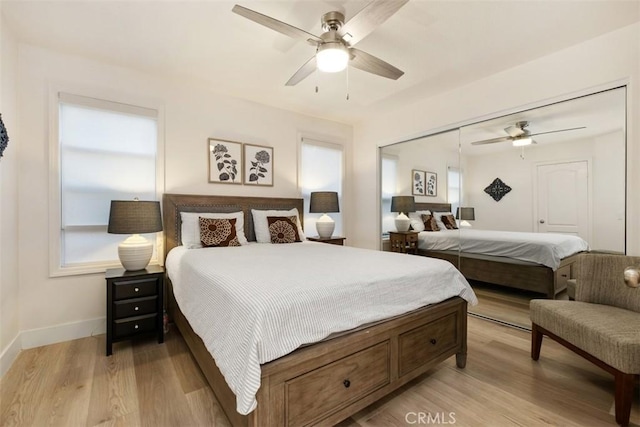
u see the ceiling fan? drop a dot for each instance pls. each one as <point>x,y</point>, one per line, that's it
<point>519,135</point>
<point>334,47</point>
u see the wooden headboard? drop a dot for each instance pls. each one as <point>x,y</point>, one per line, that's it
<point>434,207</point>
<point>173,204</point>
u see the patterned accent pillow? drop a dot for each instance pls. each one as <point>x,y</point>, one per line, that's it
<point>449,222</point>
<point>283,229</point>
<point>430,223</point>
<point>218,232</point>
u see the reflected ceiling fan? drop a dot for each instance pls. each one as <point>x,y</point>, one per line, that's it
<point>334,47</point>
<point>519,135</point>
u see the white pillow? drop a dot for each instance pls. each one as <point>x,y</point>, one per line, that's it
<point>190,230</point>
<point>261,227</point>
<point>416,220</point>
<point>438,217</point>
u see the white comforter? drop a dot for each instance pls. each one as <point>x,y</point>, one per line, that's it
<point>542,248</point>
<point>255,303</point>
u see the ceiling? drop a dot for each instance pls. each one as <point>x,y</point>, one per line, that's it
<point>439,45</point>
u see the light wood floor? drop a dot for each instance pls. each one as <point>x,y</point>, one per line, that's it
<point>147,384</point>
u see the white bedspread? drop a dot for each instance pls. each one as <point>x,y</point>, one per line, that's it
<point>542,248</point>
<point>252,304</point>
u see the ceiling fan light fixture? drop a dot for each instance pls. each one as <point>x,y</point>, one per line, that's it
<point>521,142</point>
<point>332,57</point>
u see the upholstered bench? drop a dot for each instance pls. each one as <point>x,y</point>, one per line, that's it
<point>602,325</point>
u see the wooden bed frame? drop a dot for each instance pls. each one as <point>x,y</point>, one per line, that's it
<point>325,382</point>
<point>505,271</point>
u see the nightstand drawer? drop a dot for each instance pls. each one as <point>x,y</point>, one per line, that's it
<point>135,288</point>
<point>135,307</point>
<point>134,325</point>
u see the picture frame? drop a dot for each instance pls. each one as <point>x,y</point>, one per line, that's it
<point>418,182</point>
<point>225,161</point>
<point>431,184</point>
<point>258,165</point>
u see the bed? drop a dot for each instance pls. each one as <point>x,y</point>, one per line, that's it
<point>547,275</point>
<point>327,381</point>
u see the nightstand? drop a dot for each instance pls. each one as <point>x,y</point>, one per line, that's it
<point>134,304</point>
<point>405,242</point>
<point>333,240</point>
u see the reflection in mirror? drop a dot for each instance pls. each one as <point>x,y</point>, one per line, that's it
<point>566,186</point>
<point>425,168</point>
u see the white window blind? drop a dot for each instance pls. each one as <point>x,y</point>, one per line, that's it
<point>107,151</point>
<point>454,187</point>
<point>389,187</point>
<point>321,166</point>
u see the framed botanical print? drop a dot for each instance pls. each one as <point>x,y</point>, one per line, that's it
<point>431,184</point>
<point>225,161</point>
<point>417,182</point>
<point>258,165</point>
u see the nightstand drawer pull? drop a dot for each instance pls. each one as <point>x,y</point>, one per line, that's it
<point>135,327</point>
<point>136,308</point>
<point>433,341</point>
<point>136,289</point>
<point>346,383</point>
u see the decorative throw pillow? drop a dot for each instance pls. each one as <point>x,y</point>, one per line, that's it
<point>218,232</point>
<point>449,222</point>
<point>429,223</point>
<point>283,229</point>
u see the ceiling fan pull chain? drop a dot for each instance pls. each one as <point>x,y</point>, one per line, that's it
<point>347,83</point>
<point>522,153</point>
<point>316,79</point>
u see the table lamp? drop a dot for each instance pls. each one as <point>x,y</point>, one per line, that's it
<point>465,214</point>
<point>134,217</point>
<point>324,202</point>
<point>402,205</point>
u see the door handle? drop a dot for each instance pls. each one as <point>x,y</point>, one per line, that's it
<point>542,221</point>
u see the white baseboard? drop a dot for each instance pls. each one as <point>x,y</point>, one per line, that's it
<point>64,332</point>
<point>49,335</point>
<point>10,354</point>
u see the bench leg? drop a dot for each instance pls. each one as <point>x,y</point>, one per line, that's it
<point>461,360</point>
<point>536,341</point>
<point>624,397</point>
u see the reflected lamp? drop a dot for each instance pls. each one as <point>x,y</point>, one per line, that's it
<point>465,214</point>
<point>324,202</point>
<point>134,217</point>
<point>403,205</point>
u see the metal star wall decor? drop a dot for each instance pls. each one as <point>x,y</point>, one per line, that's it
<point>4,138</point>
<point>497,189</point>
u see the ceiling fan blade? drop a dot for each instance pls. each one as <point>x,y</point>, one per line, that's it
<point>304,72</point>
<point>492,141</point>
<point>368,19</point>
<point>274,24</point>
<point>559,130</point>
<point>369,63</point>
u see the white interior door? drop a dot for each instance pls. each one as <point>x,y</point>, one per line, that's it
<point>563,198</point>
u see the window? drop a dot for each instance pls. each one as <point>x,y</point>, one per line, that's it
<point>389,183</point>
<point>106,151</point>
<point>321,169</point>
<point>454,187</point>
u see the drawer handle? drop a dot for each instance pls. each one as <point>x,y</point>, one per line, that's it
<point>433,341</point>
<point>136,308</point>
<point>563,275</point>
<point>136,289</point>
<point>135,327</point>
<point>346,383</point>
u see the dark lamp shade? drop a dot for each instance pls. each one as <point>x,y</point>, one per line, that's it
<point>466,214</point>
<point>403,204</point>
<point>134,217</point>
<point>323,202</point>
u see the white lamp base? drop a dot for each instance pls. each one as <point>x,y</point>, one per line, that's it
<point>325,226</point>
<point>135,253</point>
<point>402,222</point>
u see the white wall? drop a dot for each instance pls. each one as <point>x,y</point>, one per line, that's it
<point>67,307</point>
<point>593,63</point>
<point>515,211</point>
<point>9,289</point>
